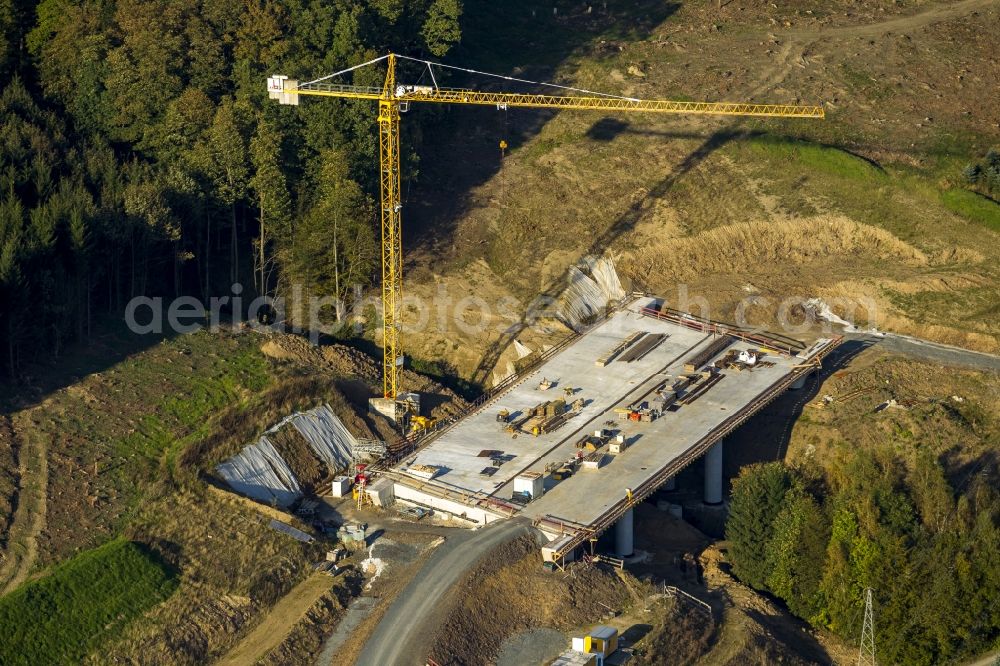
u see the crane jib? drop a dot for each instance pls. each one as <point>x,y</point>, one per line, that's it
<point>432,95</point>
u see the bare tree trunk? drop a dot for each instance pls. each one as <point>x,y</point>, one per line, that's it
<point>208,252</point>
<point>336,260</point>
<point>144,275</point>
<point>10,347</point>
<point>234,251</point>
<point>88,305</point>
<point>80,309</point>
<point>177,273</point>
<point>132,264</point>
<point>262,289</point>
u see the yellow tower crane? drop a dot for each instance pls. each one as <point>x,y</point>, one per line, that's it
<point>394,98</point>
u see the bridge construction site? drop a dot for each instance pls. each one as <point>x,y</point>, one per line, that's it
<point>601,423</point>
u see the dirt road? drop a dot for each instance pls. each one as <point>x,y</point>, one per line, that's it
<point>933,14</point>
<point>930,351</point>
<point>279,621</point>
<point>29,516</point>
<point>987,660</point>
<point>401,638</point>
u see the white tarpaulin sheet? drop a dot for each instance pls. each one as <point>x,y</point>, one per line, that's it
<point>581,299</point>
<point>327,436</point>
<point>606,277</point>
<point>588,295</point>
<point>258,471</point>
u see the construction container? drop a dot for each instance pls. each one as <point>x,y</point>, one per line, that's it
<point>603,640</point>
<point>411,399</point>
<point>618,445</point>
<point>531,483</point>
<point>593,461</point>
<point>381,492</point>
<point>340,486</point>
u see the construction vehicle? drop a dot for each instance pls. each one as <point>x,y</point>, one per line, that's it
<point>503,416</point>
<point>422,423</point>
<point>562,473</point>
<point>394,98</point>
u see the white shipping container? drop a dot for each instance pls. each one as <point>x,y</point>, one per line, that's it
<point>341,486</point>
<point>532,483</point>
<point>381,492</point>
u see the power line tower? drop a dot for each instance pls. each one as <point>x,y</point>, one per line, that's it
<point>866,655</point>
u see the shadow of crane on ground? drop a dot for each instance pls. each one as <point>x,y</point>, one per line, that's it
<point>625,223</point>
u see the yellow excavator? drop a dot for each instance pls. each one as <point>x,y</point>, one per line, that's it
<point>421,423</point>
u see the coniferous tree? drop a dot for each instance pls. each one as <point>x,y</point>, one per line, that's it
<point>756,501</point>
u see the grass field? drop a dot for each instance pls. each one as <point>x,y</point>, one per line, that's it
<point>60,618</point>
<point>813,157</point>
<point>973,206</point>
<point>152,405</point>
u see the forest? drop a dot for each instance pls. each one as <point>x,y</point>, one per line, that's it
<point>927,546</point>
<point>139,154</point>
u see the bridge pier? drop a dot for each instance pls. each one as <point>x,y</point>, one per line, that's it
<point>713,474</point>
<point>624,535</point>
<point>671,484</point>
<point>800,382</point>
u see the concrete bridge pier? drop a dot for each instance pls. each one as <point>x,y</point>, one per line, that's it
<point>800,382</point>
<point>713,474</point>
<point>624,535</point>
<point>671,484</point>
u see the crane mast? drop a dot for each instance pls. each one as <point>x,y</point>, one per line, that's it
<point>394,97</point>
<point>392,228</point>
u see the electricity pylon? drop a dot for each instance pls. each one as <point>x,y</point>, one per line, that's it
<point>866,655</point>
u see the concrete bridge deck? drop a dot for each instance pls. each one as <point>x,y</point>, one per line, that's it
<point>592,498</point>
